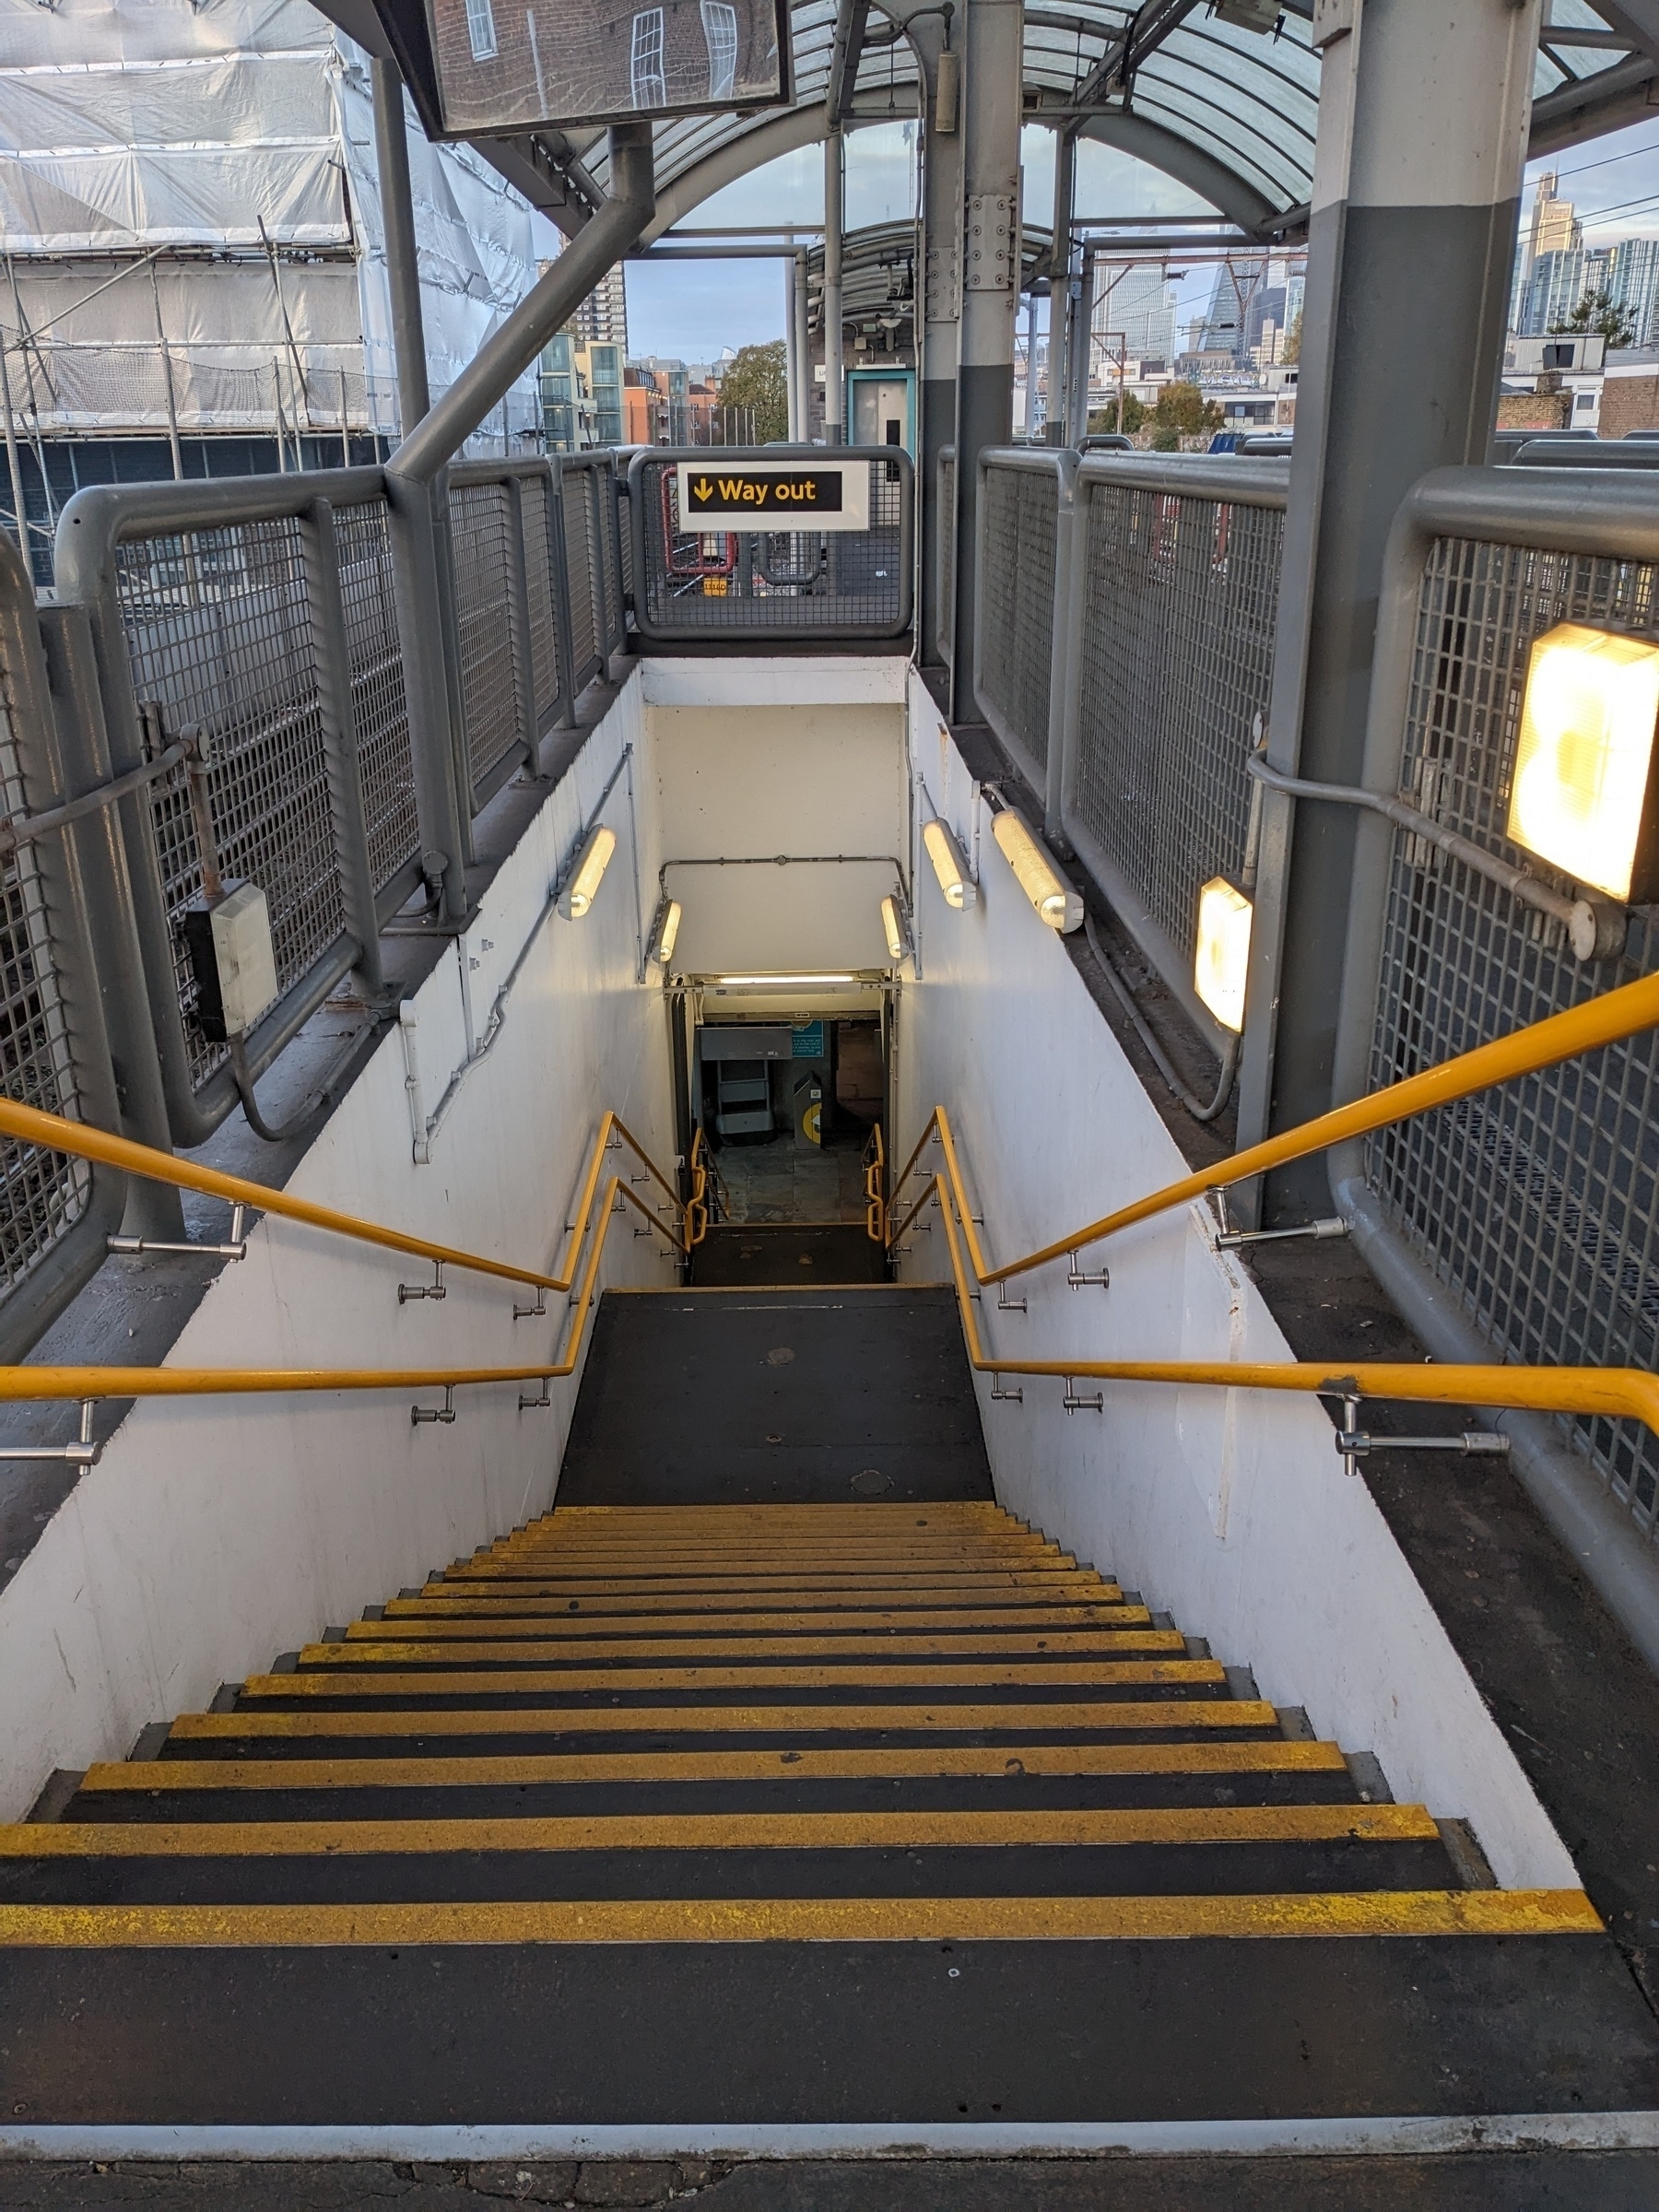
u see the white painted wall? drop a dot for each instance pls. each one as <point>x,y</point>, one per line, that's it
<point>790,765</point>
<point>217,1532</point>
<point>1228,1508</point>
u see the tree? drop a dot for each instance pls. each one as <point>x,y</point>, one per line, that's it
<point>1599,312</point>
<point>1106,417</point>
<point>758,379</point>
<point>1184,408</point>
<point>1291,349</point>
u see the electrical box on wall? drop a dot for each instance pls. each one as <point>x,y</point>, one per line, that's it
<point>232,959</point>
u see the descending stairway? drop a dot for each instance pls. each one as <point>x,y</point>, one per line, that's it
<point>862,1812</point>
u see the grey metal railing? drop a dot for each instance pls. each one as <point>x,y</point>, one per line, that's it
<point>944,611</point>
<point>772,584</point>
<point>1023,584</point>
<point>1537,1205</point>
<point>56,1211</point>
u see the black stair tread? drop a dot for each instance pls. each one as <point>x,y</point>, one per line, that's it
<point>276,1799</point>
<point>371,1642</point>
<point>506,1876</point>
<point>825,2031</point>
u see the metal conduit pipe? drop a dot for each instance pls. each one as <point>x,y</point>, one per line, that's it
<point>1195,1105</point>
<point>544,311</point>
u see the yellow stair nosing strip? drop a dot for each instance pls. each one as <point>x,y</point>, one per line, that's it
<point>919,1674</point>
<point>759,1583</point>
<point>994,1763</point>
<point>1104,1716</point>
<point>1416,1914</point>
<point>1116,1829</point>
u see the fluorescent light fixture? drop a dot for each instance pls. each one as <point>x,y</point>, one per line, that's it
<point>1038,879</point>
<point>586,877</point>
<point>895,927</point>
<point>1223,957</point>
<point>1579,798</point>
<point>779,982</point>
<point>664,929</point>
<point>949,864</point>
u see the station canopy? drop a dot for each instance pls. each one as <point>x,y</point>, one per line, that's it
<point>1227,110</point>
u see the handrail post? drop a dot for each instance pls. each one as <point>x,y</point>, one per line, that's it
<point>523,666</point>
<point>425,684</point>
<point>337,715</point>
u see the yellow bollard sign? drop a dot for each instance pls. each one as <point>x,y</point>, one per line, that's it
<point>820,495</point>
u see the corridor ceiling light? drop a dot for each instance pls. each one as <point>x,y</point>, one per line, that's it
<point>664,929</point>
<point>895,927</point>
<point>1222,960</point>
<point>949,864</point>
<point>1059,905</point>
<point>780,982</point>
<point>1581,797</point>
<point>586,877</point>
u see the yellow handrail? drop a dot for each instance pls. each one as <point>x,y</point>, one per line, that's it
<point>697,1207</point>
<point>1601,1021</point>
<point>84,1382</point>
<point>875,1167</point>
<point>1626,1391</point>
<point>33,1126</point>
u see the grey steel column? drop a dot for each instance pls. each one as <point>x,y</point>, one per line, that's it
<point>792,351</point>
<point>1423,121</point>
<point>402,268</point>
<point>835,384</point>
<point>1080,350</point>
<point>802,346</point>
<point>941,310</point>
<point>993,62</point>
<point>1060,286</point>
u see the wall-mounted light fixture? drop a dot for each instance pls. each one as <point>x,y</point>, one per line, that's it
<point>895,926</point>
<point>782,982</point>
<point>664,929</point>
<point>949,864</point>
<point>1222,960</point>
<point>1059,906</point>
<point>586,877</point>
<point>1582,795</point>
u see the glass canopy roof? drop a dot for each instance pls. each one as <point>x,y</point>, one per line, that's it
<point>1229,112</point>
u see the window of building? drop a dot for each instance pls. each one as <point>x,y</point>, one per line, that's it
<point>650,84</point>
<point>481,30</point>
<point>720,31</point>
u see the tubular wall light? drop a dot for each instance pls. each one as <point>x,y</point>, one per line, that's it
<point>1583,796</point>
<point>1222,960</point>
<point>949,864</point>
<point>1059,905</point>
<point>664,929</point>
<point>895,927</point>
<point>591,863</point>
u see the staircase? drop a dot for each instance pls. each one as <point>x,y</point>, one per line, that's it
<point>768,1815</point>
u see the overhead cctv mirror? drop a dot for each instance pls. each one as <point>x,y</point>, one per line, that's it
<point>480,68</point>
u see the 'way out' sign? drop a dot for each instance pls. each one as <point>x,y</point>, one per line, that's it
<point>818,495</point>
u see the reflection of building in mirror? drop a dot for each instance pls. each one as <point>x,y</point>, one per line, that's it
<point>510,63</point>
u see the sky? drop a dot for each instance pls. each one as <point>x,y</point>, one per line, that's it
<point>690,309</point>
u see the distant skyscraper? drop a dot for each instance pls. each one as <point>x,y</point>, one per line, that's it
<point>1632,283</point>
<point>1628,273</point>
<point>602,319</point>
<point>1137,303</point>
<point>1227,325</point>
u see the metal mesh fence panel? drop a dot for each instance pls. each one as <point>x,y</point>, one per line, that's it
<point>608,606</point>
<point>1538,1203</point>
<point>480,522</point>
<point>382,708</point>
<point>42,1194</point>
<point>790,581</point>
<point>1021,510</point>
<point>539,587</point>
<point>1176,663</point>
<point>219,637</point>
<point>946,527</point>
<point>580,554</point>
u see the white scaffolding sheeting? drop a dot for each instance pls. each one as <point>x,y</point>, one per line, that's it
<point>235,143</point>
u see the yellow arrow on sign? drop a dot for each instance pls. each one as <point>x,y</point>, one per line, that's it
<point>703,489</point>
